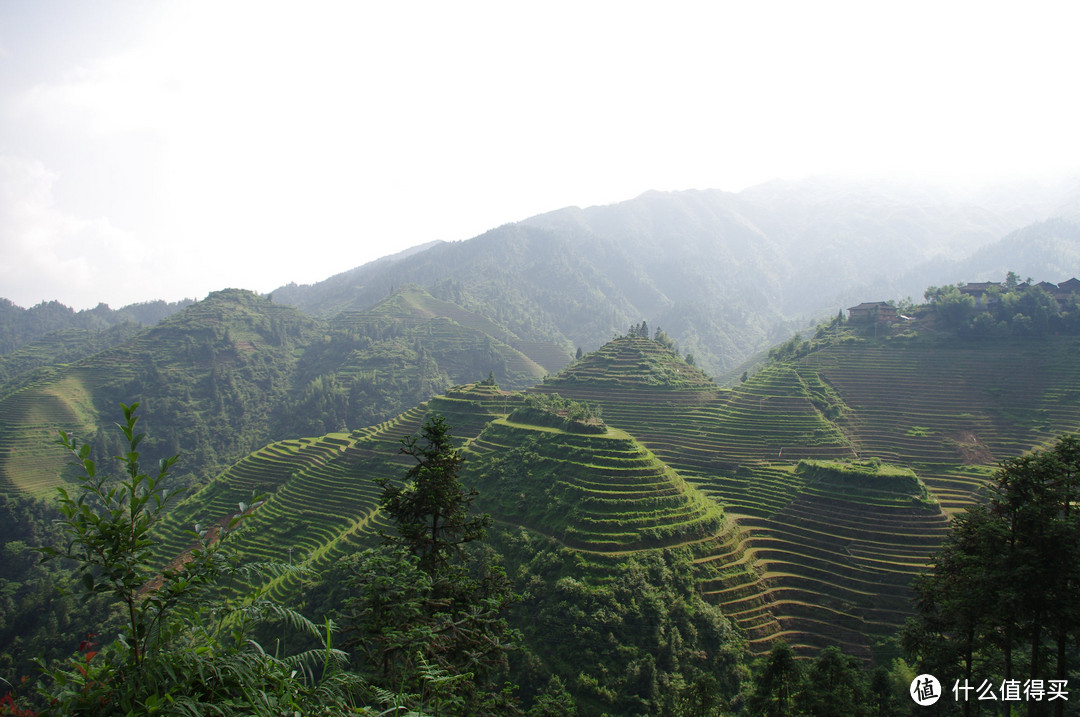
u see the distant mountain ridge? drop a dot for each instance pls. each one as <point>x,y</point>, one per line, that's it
<point>19,326</point>
<point>726,275</point>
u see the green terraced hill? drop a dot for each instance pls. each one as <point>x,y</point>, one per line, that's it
<point>595,492</point>
<point>600,493</point>
<point>633,361</point>
<point>809,496</point>
<point>316,497</point>
<point>824,560</point>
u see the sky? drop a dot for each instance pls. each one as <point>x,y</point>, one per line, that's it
<point>164,150</point>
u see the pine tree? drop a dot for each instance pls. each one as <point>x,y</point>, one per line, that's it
<point>431,509</point>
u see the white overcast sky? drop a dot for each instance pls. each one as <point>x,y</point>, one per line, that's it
<point>168,149</point>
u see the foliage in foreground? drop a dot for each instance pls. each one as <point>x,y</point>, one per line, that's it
<point>186,644</point>
<point>831,684</point>
<point>1002,604</point>
<point>430,598</point>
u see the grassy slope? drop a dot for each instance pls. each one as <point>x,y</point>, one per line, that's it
<point>29,419</point>
<point>459,340</point>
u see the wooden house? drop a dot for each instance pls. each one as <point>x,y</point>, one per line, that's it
<point>870,312</point>
<point>985,293</point>
<point>1072,286</point>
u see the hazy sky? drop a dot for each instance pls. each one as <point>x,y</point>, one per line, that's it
<point>167,149</point>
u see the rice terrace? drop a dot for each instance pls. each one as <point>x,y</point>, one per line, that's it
<point>809,495</point>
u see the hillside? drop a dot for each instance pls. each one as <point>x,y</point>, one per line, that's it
<point>375,363</point>
<point>455,336</point>
<point>234,371</point>
<point>825,563</point>
<point>209,377</point>
<point>318,497</point>
<point>726,275</point>
<point>19,326</point>
<point>809,496</point>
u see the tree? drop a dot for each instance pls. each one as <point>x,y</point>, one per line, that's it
<point>953,615</point>
<point>778,681</point>
<point>430,510</point>
<point>835,685</point>
<point>1036,500</point>
<point>663,339</point>
<point>951,306</point>
<point>1007,579</point>
<point>429,600</point>
<point>553,701</point>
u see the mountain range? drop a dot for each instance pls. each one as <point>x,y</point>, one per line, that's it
<point>726,275</point>
<point>800,488</point>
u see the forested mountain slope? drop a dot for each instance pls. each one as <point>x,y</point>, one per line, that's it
<point>230,373</point>
<point>19,326</point>
<point>210,377</point>
<point>726,275</point>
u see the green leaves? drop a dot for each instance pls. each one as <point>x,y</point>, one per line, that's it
<point>1008,577</point>
<point>431,511</point>
<point>108,528</point>
<point>186,645</point>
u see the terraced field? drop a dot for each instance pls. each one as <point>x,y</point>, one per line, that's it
<point>599,493</point>
<point>952,412</point>
<point>810,495</point>
<point>823,563</point>
<point>29,420</point>
<point>318,497</point>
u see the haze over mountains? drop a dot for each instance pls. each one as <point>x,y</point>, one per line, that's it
<point>725,274</point>
<point>800,502</point>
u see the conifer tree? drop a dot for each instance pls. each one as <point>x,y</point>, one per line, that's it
<point>430,509</point>
<point>429,604</point>
<point>1006,581</point>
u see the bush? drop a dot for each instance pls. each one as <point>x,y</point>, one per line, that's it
<point>186,645</point>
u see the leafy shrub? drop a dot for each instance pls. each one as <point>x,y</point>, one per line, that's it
<point>186,645</point>
<point>554,411</point>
